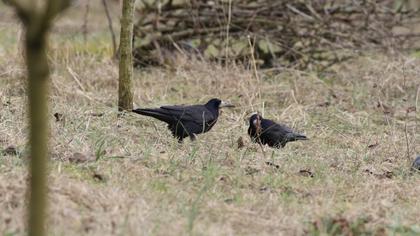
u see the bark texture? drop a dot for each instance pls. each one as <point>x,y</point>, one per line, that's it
<point>125,94</point>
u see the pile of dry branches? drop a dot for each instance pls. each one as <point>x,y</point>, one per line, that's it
<point>273,33</point>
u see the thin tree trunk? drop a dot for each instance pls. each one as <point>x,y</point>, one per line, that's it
<point>37,24</point>
<point>125,94</point>
<point>38,77</point>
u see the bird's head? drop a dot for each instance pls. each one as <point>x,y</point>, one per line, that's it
<point>255,121</point>
<point>216,103</point>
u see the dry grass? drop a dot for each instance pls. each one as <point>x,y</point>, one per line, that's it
<point>138,180</point>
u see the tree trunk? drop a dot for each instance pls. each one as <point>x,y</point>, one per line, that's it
<point>38,73</point>
<point>125,94</point>
<point>37,24</point>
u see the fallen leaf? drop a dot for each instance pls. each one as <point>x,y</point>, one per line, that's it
<point>263,189</point>
<point>272,164</point>
<point>250,170</point>
<point>368,171</point>
<point>334,165</point>
<point>162,172</point>
<point>306,173</point>
<point>240,142</point>
<point>388,174</point>
<point>97,114</point>
<point>58,116</point>
<point>229,200</point>
<point>339,225</point>
<point>343,224</point>
<point>223,179</point>
<point>324,104</point>
<point>411,109</point>
<point>380,174</point>
<point>99,177</point>
<point>10,150</point>
<point>78,157</point>
<point>389,160</point>
<point>385,109</point>
<point>88,224</point>
<point>228,162</point>
<point>373,145</point>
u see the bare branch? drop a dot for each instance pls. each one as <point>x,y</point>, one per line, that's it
<point>22,10</point>
<point>42,20</point>
<point>111,29</point>
<point>295,33</point>
<point>54,7</point>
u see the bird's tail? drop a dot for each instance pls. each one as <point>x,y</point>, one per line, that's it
<point>155,113</point>
<point>295,137</point>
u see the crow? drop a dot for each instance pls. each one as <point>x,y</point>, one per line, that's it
<point>187,121</point>
<point>265,131</point>
<point>416,164</point>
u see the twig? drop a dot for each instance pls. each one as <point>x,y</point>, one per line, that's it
<point>254,66</point>
<point>111,29</point>
<point>262,149</point>
<point>85,21</point>
<point>75,78</point>
<point>227,33</point>
<point>406,137</point>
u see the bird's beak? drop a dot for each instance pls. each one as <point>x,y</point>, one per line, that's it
<point>225,104</point>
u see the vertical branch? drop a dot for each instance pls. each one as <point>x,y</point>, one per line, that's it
<point>407,141</point>
<point>125,94</point>
<point>227,33</point>
<point>111,29</point>
<point>85,21</point>
<point>254,66</point>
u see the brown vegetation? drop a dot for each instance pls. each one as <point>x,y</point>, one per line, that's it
<point>283,33</point>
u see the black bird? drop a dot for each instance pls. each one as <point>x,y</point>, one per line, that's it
<point>265,131</point>
<point>416,164</point>
<point>187,121</point>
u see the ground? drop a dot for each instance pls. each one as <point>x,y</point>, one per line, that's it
<point>111,175</point>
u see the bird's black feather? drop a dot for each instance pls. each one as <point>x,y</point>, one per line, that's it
<point>268,132</point>
<point>186,121</point>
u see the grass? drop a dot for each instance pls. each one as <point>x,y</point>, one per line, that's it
<point>138,180</point>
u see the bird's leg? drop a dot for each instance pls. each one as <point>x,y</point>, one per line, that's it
<point>258,127</point>
<point>262,149</point>
<point>272,156</point>
<point>193,137</point>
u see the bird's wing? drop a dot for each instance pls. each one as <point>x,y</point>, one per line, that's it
<point>279,130</point>
<point>271,127</point>
<point>195,113</point>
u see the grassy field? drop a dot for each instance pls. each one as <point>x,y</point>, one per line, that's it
<point>111,175</point>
